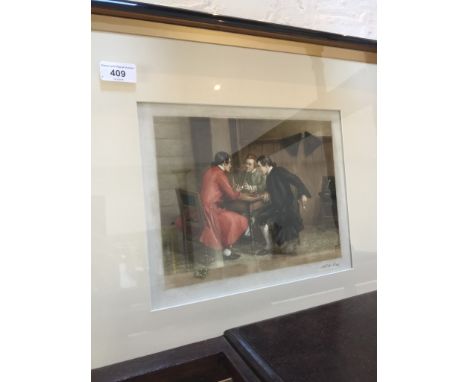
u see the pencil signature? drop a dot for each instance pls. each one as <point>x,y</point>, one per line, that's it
<point>330,265</point>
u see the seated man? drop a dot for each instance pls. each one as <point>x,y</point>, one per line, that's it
<point>281,217</point>
<point>222,227</point>
<point>251,180</point>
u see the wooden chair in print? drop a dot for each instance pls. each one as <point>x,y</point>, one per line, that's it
<point>192,220</point>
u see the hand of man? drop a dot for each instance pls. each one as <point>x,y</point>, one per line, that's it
<point>266,197</point>
<point>304,201</point>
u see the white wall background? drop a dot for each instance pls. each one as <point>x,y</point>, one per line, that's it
<point>348,17</point>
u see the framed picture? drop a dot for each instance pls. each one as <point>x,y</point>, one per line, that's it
<point>272,211</point>
<point>233,176</point>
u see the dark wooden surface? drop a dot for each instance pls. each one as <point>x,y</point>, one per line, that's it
<point>330,343</point>
<point>159,13</point>
<point>207,361</point>
<point>336,342</point>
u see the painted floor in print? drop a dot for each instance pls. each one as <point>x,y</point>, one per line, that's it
<point>316,244</point>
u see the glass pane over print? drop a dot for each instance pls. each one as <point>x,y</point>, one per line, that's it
<point>249,197</point>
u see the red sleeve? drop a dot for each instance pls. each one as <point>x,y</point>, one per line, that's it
<point>226,188</point>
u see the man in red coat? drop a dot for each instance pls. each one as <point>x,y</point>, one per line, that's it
<point>222,227</point>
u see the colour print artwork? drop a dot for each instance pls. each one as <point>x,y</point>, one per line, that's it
<point>240,195</point>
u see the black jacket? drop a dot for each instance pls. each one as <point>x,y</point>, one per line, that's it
<point>282,214</point>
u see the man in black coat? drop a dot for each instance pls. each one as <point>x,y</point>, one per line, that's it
<point>281,217</point>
